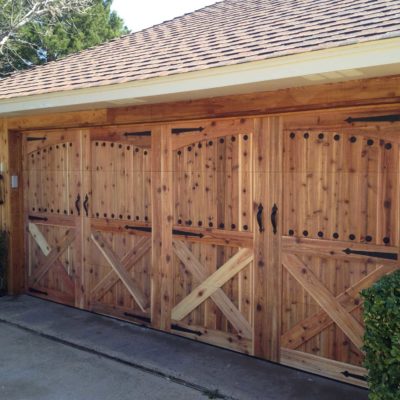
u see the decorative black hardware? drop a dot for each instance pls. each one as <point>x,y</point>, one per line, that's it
<point>33,290</point>
<point>376,118</point>
<point>77,204</point>
<point>273,219</point>
<point>34,218</point>
<point>178,131</point>
<point>186,330</point>
<point>174,231</point>
<point>139,228</point>
<point>348,374</point>
<point>184,233</point>
<point>139,317</point>
<point>260,217</point>
<point>376,254</point>
<point>35,139</point>
<point>86,205</point>
<point>2,190</point>
<point>143,133</point>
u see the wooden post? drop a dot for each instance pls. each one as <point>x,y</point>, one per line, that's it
<point>162,222</point>
<point>267,244</point>
<point>11,212</point>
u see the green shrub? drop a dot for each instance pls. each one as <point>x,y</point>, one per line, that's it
<point>382,337</point>
<point>3,262</point>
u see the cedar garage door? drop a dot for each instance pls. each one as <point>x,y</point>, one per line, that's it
<point>255,234</point>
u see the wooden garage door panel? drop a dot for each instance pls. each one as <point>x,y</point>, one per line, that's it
<point>213,199</point>
<point>305,326</point>
<point>341,186</point>
<point>212,313</point>
<point>213,183</point>
<point>125,256</point>
<point>120,181</point>
<point>52,260</point>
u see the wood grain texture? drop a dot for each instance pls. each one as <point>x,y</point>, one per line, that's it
<point>267,264</point>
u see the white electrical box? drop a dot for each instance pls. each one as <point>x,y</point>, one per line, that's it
<point>14,182</point>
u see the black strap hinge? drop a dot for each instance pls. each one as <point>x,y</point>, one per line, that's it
<point>139,317</point>
<point>178,131</point>
<point>143,133</point>
<point>376,118</point>
<point>184,233</point>
<point>348,374</point>
<point>185,330</point>
<point>376,254</point>
<point>35,139</point>
<point>34,218</point>
<point>33,290</point>
<point>139,228</point>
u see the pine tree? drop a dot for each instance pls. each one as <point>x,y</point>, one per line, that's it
<point>50,36</point>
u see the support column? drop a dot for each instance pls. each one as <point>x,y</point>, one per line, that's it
<point>162,223</point>
<point>267,250</point>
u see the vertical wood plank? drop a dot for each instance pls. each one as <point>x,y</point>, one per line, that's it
<point>162,217</point>
<point>267,277</point>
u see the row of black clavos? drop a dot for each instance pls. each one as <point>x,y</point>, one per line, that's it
<point>210,143</point>
<point>50,148</point>
<point>337,137</point>
<point>210,224</point>
<point>121,146</point>
<point>52,210</point>
<point>335,235</point>
<point>121,216</point>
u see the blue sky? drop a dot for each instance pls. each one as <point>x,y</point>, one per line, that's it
<point>142,14</point>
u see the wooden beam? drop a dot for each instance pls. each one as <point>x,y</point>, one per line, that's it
<point>202,292</point>
<point>54,255</point>
<point>372,91</point>
<point>350,300</point>
<point>234,316</point>
<point>383,90</point>
<point>162,220</point>
<point>267,277</point>
<point>323,366</point>
<point>130,284</point>
<point>307,279</point>
<point>128,261</point>
<point>39,238</point>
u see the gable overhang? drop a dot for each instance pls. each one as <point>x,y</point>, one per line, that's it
<point>357,61</point>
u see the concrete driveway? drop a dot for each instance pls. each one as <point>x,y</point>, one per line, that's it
<point>53,352</point>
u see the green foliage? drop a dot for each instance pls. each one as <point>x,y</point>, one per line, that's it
<point>47,39</point>
<point>3,261</point>
<point>382,337</point>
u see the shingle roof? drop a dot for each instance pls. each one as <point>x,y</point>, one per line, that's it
<point>226,33</point>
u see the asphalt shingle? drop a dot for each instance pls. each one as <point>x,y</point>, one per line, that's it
<point>226,33</point>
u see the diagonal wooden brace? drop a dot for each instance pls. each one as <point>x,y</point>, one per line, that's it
<point>131,285</point>
<point>350,300</point>
<point>53,255</point>
<point>234,316</point>
<point>128,261</point>
<point>309,281</point>
<point>214,282</point>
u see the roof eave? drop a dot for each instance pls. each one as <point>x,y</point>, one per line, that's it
<point>363,60</point>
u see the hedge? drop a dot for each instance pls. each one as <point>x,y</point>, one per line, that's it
<point>382,337</point>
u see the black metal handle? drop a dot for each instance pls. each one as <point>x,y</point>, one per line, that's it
<point>260,217</point>
<point>273,218</point>
<point>86,205</point>
<point>78,204</point>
